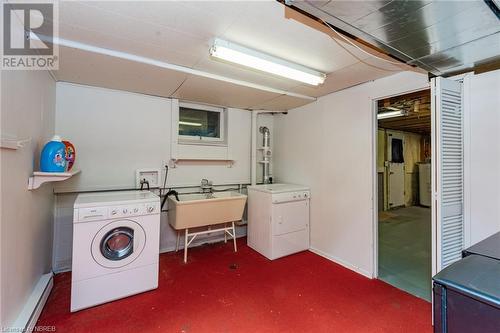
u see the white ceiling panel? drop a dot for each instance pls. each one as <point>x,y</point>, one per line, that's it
<point>344,78</point>
<point>181,32</point>
<point>281,103</point>
<point>199,19</point>
<point>99,70</point>
<point>120,43</point>
<point>91,18</point>
<point>200,89</point>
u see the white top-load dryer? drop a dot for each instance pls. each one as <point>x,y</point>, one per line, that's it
<point>115,246</point>
<point>278,219</point>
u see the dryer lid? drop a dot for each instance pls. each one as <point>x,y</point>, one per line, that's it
<point>279,188</point>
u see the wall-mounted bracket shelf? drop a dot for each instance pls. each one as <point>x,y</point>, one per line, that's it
<point>176,161</point>
<point>40,177</point>
<point>13,143</point>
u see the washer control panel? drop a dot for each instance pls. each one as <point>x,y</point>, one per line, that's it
<point>134,210</point>
<point>121,211</point>
<point>291,196</point>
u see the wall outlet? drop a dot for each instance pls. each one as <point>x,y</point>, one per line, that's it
<point>152,176</point>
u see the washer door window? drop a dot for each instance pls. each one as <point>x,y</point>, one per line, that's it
<point>118,243</point>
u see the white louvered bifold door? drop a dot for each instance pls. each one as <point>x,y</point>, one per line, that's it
<point>448,170</point>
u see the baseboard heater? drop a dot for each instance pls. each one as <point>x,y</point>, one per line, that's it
<point>28,317</point>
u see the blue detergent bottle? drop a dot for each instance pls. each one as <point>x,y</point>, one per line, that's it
<point>53,158</point>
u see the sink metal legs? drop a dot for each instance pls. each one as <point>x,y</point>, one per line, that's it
<point>233,235</point>
<point>186,244</point>
<point>189,237</point>
<point>178,239</point>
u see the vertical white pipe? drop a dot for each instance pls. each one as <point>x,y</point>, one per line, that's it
<point>265,158</point>
<point>253,167</point>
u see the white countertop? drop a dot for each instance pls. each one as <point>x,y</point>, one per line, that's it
<point>113,198</point>
<point>278,188</point>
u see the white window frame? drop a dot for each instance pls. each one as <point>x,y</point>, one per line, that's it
<point>190,139</point>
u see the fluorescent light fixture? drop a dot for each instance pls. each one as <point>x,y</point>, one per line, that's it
<point>187,123</point>
<point>241,55</point>
<point>391,114</point>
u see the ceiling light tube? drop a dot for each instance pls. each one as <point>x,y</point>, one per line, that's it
<point>391,114</point>
<point>188,123</point>
<point>392,108</point>
<point>241,55</point>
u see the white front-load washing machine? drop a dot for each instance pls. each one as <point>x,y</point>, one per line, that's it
<point>116,239</point>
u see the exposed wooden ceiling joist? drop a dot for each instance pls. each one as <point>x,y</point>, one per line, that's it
<point>417,107</point>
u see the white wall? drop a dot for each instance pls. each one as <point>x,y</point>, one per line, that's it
<point>117,132</point>
<point>482,98</point>
<point>27,111</point>
<point>328,145</point>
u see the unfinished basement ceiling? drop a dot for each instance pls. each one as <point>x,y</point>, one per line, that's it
<point>181,33</point>
<point>416,105</point>
<point>442,37</point>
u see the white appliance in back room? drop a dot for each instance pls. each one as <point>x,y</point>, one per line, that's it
<point>116,239</point>
<point>278,219</point>
<point>425,185</point>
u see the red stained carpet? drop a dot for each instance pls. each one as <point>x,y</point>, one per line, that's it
<point>299,293</point>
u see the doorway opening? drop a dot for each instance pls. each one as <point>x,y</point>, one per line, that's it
<point>404,192</point>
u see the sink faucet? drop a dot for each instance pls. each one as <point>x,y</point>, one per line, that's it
<point>206,186</point>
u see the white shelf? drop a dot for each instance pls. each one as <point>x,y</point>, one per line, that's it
<point>176,161</point>
<point>13,143</point>
<point>40,177</point>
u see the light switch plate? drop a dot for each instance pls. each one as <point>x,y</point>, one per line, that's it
<point>151,175</point>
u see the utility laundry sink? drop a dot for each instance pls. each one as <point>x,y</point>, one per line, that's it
<point>204,209</point>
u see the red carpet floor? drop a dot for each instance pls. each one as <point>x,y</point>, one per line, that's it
<point>299,293</point>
